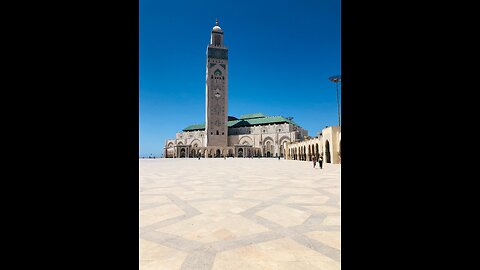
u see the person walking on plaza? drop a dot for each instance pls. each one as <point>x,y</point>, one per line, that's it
<point>320,161</point>
<point>314,161</point>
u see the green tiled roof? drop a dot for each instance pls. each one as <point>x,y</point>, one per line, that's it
<point>246,122</point>
<point>195,127</point>
<point>253,115</point>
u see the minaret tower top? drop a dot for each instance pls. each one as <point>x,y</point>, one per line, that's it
<point>216,39</point>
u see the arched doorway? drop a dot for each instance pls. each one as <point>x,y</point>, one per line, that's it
<point>240,152</point>
<point>230,152</point>
<point>327,152</point>
<point>268,154</point>
<point>268,147</point>
<point>217,153</point>
<point>182,152</point>
<point>193,153</point>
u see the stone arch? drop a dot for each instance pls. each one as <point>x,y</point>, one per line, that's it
<point>170,145</point>
<point>193,153</point>
<point>267,139</point>
<point>180,143</point>
<point>245,139</point>
<point>195,142</point>
<point>199,153</point>
<point>284,140</point>
<point>230,152</point>
<point>327,152</point>
<point>182,153</point>
<point>218,153</point>
<point>268,144</point>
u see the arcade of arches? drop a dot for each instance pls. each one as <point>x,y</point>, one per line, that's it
<point>326,145</point>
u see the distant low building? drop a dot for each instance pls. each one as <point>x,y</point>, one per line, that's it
<point>327,145</point>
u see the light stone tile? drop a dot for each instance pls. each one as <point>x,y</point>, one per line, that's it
<point>164,190</point>
<point>208,188</point>
<point>329,238</point>
<point>298,190</point>
<point>258,194</point>
<point>335,191</point>
<point>154,199</point>
<point>222,206</point>
<point>159,213</point>
<point>323,209</point>
<point>283,215</point>
<point>277,254</point>
<point>302,199</point>
<point>256,187</point>
<point>211,228</point>
<point>154,256</point>
<point>195,195</point>
<point>331,220</point>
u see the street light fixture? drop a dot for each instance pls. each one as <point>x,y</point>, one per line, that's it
<point>336,79</point>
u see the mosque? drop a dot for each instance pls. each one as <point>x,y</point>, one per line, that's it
<point>250,135</point>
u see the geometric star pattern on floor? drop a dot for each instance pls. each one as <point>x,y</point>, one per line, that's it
<point>239,214</point>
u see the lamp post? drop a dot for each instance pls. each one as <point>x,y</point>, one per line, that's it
<point>336,79</point>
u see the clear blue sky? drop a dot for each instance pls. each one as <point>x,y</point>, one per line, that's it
<point>281,54</point>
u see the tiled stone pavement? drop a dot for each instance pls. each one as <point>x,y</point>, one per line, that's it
<point>239,214</point>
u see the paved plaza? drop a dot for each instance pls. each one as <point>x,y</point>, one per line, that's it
<point>239,214</point>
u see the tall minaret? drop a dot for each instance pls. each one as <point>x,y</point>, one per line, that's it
<point>217,90</point>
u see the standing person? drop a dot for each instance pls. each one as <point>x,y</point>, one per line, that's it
<point>314,161</point>
<point>320,161</point>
